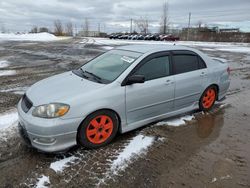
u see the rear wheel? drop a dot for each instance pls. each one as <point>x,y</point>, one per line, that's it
<point>98,129</point>
<point>208,98</point>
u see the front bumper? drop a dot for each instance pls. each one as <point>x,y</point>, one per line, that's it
<point>48,135</point>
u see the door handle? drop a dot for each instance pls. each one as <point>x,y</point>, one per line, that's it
<point>203,74</point>
<point>168,82</point>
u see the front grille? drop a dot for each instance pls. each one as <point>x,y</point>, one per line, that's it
<point>23,133</point>
<point>26,104</point>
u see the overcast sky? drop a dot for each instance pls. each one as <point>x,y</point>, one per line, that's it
<point>115,15</point>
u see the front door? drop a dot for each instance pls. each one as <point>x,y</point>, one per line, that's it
<point>155,96</point>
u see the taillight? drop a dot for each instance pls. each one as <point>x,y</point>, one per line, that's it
<point>228,70</point>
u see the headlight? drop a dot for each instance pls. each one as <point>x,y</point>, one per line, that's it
<point>51,110</point>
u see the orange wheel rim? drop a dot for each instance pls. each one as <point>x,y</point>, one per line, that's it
<point>209,98</point>
<point>99,129</point>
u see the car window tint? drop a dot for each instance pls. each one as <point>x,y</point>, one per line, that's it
<point>202,64</point>
<point>154,68</point>
<point>185,63</point>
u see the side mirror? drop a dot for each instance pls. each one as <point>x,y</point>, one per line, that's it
<point>135,79</point>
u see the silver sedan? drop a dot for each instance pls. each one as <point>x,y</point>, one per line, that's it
<point>119,91</point>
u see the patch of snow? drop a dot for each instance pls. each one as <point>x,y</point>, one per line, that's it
<point>236,49</point>
<point>17,90</point>
<point>220,59</point>
<point>225,177</point>
<point>60,165</point>
<point>161,139</point>
<point>208,49</point>
<point>177,121</point>
<point>214,180</point>
<point>43,182</point>
<point>4,64</point>
<point>209,46</point>
<point>135,147</point>
<point>221,178</point>
<point>107,47</point>
<point>7,72</point>
<point>28,37</point>
<point>8,119</point>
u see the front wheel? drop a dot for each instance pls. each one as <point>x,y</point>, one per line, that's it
<point>98,129</point>
<point>208,98</point>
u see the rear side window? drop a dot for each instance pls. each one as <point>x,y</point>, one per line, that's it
<point>202,64</point>
<point>155,68</point>
<point>185,63</point>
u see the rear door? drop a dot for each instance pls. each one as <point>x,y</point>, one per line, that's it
<point>155,96</point>
<point>190,74</point>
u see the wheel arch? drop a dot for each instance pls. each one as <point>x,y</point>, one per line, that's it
<point>217,89</point>
<point>108,109</point>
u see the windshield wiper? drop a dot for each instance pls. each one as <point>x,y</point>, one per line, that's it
<point>83,73</point>
<point>80,73</point>
<point>99,79</point>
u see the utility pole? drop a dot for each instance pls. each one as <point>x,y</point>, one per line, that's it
<point>75,30</point>
<point>189,19</point>
<point>99,29</point>
<point>131,25</point>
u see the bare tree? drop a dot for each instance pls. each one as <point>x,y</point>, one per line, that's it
<point>34,29</point>
<point>69,29</point>
<point>164,23</point>
<point>3,30</point>
<point>85,27</point>
<point>58,30</point>
<point>142,24</point>
<point>43,29</point>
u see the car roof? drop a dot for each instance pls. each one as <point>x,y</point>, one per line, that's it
<point>145,48</point>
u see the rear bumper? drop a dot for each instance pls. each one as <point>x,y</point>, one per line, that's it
<point>48,135</point>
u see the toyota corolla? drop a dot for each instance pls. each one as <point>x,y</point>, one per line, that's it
<point>118,91</point>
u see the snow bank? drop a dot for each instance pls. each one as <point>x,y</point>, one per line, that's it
<point>60,165</point>
<point>235,49</point>
<point>28,37</point>
<point>107,47</point>
<point>4,64</point>
<point>42,182</point>
<point>136,146</point>
<point>208,46</point>
<point>16,90</point>
<point>177,121</point>
<point>7,72</point>
<point>8,119</point>
<point>8,124</point>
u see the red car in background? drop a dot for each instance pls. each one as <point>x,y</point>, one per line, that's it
<point>169,38</point>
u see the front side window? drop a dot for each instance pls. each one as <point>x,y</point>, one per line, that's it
<point>155,68</point>
<point>185,63</point>
<point>110,65</point>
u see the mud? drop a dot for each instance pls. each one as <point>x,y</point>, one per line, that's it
<point>210,151</point>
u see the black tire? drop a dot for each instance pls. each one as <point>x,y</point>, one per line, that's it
<point>202,107</point>
<point>82,137</point>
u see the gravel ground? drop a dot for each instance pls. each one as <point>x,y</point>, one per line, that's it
<point>212,150</point>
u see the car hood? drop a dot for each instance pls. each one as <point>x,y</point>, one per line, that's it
<point>60,88</point>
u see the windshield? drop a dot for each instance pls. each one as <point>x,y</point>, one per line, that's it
<point>108,66</point>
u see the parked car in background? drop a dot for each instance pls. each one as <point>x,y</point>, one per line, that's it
<point>169,38</point>
<point>147,37</point>
<point>140,37</point>
<point>114,36</point>
<point>135,37</point>
<point>155,37</point>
